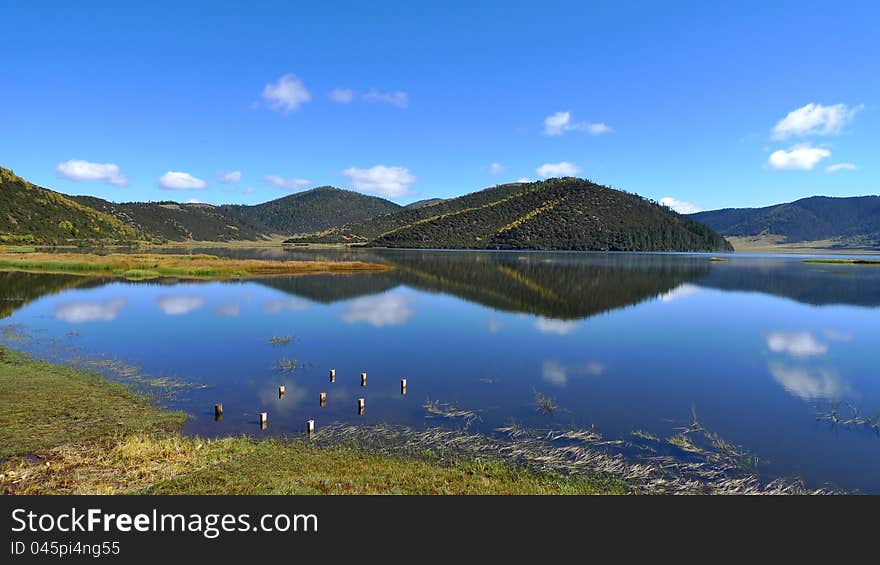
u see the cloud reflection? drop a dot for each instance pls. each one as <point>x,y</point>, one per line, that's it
<point>230,310</point>
<point>809,384</point>
<point>558,374</point>
<point>683,291</point>
<point>179,305</point>
<point>796,344</point>
<point>78,312</point>
<point>378,311</point>
<point>557,327</point>
<point>286,305</point>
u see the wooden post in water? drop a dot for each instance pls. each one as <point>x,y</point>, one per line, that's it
<point>332,375</point>
<point>281,391</point>
<point>360,406</point>
<point>323,398</point>
<point>402,386</point>
<point>218,412</point>
<point>310,425</point>
<point>264,418</point>
<point>363,379</point>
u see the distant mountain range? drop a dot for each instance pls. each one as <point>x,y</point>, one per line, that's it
<point>837,222</point>
<point>567,213</point>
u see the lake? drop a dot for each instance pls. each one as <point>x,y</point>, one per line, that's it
<point>762,348</point>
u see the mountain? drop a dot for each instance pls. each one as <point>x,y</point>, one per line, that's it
<point>850,222</point>
<point>33,214</point>
<point>423,203</point>
<point>566,213</point>
<point>309,211</point>
<point>313,210</point>
<point>175,222</point>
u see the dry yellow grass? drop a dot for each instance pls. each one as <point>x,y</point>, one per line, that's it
<point>155,265</point>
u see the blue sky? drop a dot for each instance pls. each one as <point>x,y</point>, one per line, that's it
<point>735,104</point>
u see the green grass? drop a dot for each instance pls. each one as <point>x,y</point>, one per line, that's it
<point>139,266</point>
<point>845,261</point>
<point>43,405</point>
<point>68,431</point>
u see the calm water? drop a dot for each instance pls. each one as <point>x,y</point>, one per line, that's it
<point>757,345</point>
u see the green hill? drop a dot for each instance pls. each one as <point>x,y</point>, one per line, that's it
<point>176,222</point>
<point>303,212</point>
<point>566,213</point>
<point>33,214</point>
<point>313,210</point>
<point>852,221</point>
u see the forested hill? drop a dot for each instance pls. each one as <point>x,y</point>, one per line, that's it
<point>308,211</point>
<point>313,210</point>
<point>33,214</point>
<point>566,213</point>
<point>852,221</point>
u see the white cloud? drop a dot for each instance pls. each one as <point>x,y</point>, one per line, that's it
<point>176,180</point>
<point>193,201</point>
<point>286,305</point>
<point>560,122</point>
<point>249,190</point>
<point>397,98</point>
<point>381,180</point>
<point>815,119</point>
<point>230,310</point>
<point>85,171</point>
<point>809,384</point>
<point>523,179</point>
<point>496,168</point>
<point>557,327</point>
<point>684,290</point>
<point>378,311</point>
<point>840,167</point>
<point>78,312</point>
<point>229,177</point>
<point>558,374</point>
<point>178,305</point>
<point>342,95</point>
<point>563,169</point>
<point>290,184</point>
<point>680,206</point>
<point>796,344</point>
<point>800,157</point>
<point>287,94</point>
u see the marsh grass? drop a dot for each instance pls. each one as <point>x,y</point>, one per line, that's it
<point>545,404</point>
<point>450,411</point>
<point>144,266</point>
<point>280,340</point>
<point>285,365</point>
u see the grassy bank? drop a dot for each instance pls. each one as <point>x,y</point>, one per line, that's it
<point>845,261</point>
<point>150,266</point>
<point>65,431</point>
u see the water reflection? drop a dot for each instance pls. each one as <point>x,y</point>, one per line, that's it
<point>809,383</point>
<point>385,310</point>
<point>796,344</point>
<point>79,312</point>
<point>179,305</point>
<point>558,374</point>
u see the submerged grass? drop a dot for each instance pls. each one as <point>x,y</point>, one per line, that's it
<point>67,431</point>
<point>150,266</point>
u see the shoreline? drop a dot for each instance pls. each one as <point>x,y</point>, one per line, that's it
<point>145,266</point>
<point>93,436</point>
